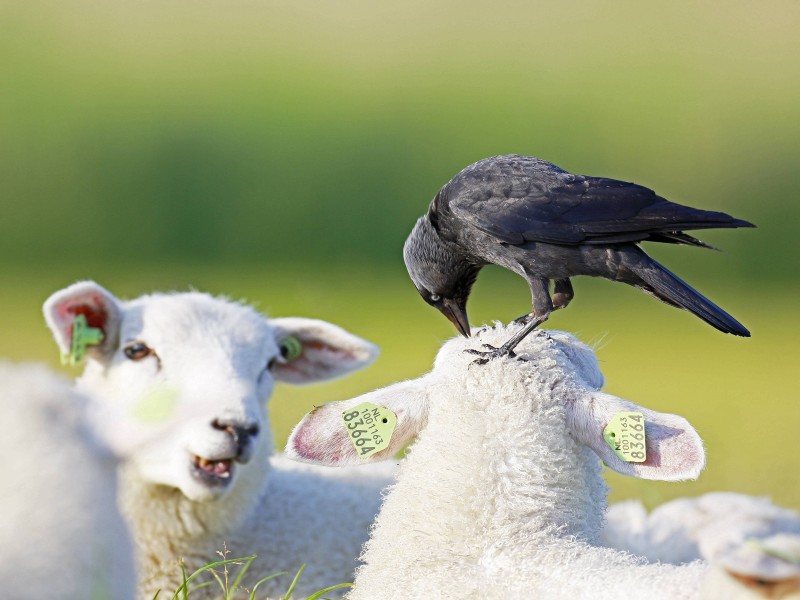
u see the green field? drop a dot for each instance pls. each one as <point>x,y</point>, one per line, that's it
<point>281,151</point>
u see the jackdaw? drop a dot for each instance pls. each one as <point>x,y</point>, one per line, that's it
<point>546,224</point>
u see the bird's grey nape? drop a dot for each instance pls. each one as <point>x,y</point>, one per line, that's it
<point>428,260</point>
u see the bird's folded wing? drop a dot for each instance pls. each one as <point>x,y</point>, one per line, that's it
<point>573,209</point>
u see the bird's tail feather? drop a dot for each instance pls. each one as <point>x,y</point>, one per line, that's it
<point>669,288</point>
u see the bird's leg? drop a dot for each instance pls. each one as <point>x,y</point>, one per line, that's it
<point>562,293</point>
<point>542,307</point>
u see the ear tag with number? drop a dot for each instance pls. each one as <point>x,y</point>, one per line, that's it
<point>83,336</point>
<point>369,427</point>
<point>625,434</point>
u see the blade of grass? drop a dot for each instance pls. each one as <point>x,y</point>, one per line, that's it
<point>242,572</point>
<point>183,589</point>
<point>267,578</point>
<point>185,582</point>
<point>318,595</point>
<point>216,576</point>
<point>294,583</point>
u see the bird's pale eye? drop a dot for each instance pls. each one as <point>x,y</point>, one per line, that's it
<point>435,297</point>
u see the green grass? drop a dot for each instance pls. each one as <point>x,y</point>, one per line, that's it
<point>738,393</point>
<point>229,573</point>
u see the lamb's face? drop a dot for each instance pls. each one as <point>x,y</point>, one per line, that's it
<point>182,380</point>
<point>195,369</point>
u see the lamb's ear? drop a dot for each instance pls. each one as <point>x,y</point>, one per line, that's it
<point>674,449</point>
<point>317,350</point>
<point>323,438</point>
<point>100,308</point>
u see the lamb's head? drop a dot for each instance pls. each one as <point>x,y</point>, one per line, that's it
<point>564,356</point>
<point>182,379</point>
<point>554,373</point>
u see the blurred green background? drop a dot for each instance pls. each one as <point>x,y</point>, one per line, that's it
<point>281,151</point>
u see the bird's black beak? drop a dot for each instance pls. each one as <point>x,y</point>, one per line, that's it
<point>457,315</point>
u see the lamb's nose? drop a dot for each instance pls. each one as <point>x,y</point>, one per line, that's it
<point>242,434</point>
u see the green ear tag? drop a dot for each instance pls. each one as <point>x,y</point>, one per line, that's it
<point>83,336</point>
<point>625,435</point>
<point>291,348</point>
<point>369,427</point>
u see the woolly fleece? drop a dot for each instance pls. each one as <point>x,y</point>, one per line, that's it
<point>501,496</point>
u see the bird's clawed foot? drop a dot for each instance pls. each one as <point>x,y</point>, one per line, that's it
<point>490,354</point>
<point>524,319</point>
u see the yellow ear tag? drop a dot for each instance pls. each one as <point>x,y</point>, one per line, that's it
<point>369,427</point>
<point>625,435</point>
<point>83,336</point>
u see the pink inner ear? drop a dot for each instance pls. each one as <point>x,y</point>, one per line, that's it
<point>673,451</point>
<point>653,457</point>
<point>96,315</point>
<point>326,449</point>
<point>321,346</point>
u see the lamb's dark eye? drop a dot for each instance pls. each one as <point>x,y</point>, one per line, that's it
<point>137,351</point>
<point>435,297</point>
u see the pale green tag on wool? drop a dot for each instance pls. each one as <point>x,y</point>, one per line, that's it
<point>83,336</point>
<point>369,427</point>
<point>773,552</point>
<point>156,406</point>
<point>625,434</point>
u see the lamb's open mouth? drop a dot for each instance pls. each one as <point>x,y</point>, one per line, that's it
<point>214,472</point>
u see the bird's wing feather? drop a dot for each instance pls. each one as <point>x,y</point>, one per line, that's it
<point>537,202</point>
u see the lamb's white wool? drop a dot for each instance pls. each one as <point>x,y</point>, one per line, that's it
<point>501,496</point>
<point>61,534</point>
<point>686,529</point>
<point>198,370</point>
<point>758,568</point>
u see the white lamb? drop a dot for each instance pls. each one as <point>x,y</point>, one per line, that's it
<point>501,496</point>
<point>201,369</point>
<point>61,534</point>
<point>686,529</point>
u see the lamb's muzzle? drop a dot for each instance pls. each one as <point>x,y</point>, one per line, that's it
<point>243,435</point>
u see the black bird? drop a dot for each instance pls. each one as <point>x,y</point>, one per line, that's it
<point>545,224</point>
